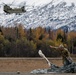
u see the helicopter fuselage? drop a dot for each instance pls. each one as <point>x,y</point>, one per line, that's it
<point>10,10</point>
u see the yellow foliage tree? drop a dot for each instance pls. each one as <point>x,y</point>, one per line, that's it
<point>21,32</point>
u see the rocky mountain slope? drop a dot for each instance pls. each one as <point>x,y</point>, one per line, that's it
<point>51,15</point>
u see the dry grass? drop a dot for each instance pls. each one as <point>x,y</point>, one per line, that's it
<point>25,65</point>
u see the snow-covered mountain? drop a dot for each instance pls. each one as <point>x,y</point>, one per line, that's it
<point>51,15</point>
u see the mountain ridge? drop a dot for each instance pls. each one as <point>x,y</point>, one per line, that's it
<point>49,15</point>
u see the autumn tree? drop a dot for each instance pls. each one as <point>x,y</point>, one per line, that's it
<point>20,31</point>
<point>71,41</point>
<point>1,44</point>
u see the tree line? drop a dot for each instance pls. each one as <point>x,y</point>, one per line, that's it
<point>19,42</point>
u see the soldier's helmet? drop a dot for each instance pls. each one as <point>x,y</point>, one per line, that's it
<point>61,46</point>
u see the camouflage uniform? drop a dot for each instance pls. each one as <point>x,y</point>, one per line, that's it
<point>65,54</point>
<point>66,57</point>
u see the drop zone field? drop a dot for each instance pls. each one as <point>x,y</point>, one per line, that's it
<point>26,64</point>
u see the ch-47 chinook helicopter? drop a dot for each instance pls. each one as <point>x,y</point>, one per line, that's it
<point>7,9</point>
<point>10,10</point>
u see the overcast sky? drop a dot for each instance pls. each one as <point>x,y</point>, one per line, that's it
<point>34,2</point>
